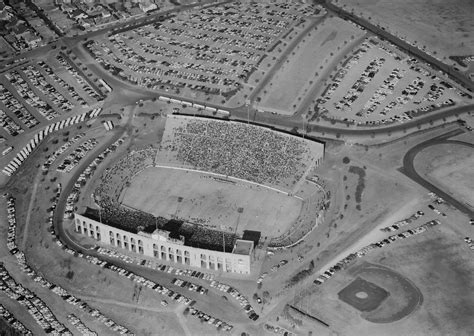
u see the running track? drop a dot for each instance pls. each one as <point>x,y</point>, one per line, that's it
<point>409,170</point>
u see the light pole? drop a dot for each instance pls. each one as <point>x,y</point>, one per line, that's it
<point>98,199</point>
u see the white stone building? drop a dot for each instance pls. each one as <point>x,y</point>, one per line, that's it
<point>159,245</point>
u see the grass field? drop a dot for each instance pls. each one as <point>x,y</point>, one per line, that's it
<point>300,71</point>
<point>449,166</point>
<point>201,198</point>
<point>444,27</point>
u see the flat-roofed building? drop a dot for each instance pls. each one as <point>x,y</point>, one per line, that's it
<point>160,245</point>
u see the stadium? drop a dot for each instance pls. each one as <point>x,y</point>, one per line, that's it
<point>207,193</point>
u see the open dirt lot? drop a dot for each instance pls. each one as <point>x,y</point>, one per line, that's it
<point>200,198</point>
<point>449,166</point>
<point>301,69</point>
<point>437,262</point>
<point>444,27</point>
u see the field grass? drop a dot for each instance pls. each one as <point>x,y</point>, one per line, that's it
<point>449,166</point>
<point>444,27</point>
<point>300,71</point>
<point>200,198</point>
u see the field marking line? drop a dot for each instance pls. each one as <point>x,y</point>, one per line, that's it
<point>224,176</point>
<point>30,209</point>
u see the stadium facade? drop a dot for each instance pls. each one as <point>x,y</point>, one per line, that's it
<point>159,245</point>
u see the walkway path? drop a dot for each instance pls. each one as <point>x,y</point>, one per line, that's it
<point>30,209</point>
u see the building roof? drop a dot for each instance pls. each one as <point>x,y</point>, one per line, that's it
<point>243,247</point>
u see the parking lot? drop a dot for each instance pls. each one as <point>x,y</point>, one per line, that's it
<point>212,50</point>
<point>379,84</point>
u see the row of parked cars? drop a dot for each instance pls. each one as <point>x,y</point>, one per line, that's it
<point>51,158</point>
<point>153,265</point>
<point>36,307</point>
<point>277,330</point>
<point>363,251</point>
<point>83,329</point>
<point>397,225</point>
<point>189,285</point>
<point>13,322</point>
<point>243,301</point>
<point>73,159</point>
<point>210,320</point>
<point>469,242</point>
<point>87,173</point>
<point>21,259</point>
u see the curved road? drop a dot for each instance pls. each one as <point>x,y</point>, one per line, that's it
<point>409,170</point>
<point>241,114</point>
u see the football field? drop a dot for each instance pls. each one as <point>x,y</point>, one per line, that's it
<point>208,199</point>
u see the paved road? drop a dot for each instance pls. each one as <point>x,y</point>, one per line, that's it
<point>277,121</point>
<point>409,170</point>
<point>273,120</point>
<point>289,122</point>
<point>67,188</point>
<point>118,26</point>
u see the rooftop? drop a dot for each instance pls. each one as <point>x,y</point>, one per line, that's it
<point>244,247</point>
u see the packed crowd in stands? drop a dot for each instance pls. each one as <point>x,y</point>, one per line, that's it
<point>114,178</point>
<point>112,183</point>
<point>312,213</point>
<point>240,150</point>
<point>107,194</point>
